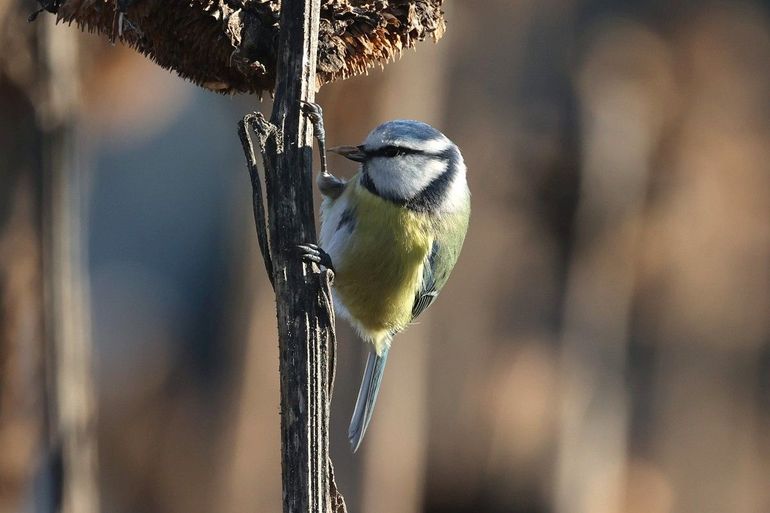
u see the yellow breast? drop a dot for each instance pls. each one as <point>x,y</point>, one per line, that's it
<point>381,269</point>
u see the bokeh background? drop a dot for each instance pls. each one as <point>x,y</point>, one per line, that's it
<point>602,347</point>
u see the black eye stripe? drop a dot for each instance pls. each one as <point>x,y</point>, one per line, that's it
<point>392,151</point>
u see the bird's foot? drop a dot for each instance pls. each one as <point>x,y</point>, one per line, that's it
<point>313,253</point>
<point>315,114</point>
<point>330,186</point>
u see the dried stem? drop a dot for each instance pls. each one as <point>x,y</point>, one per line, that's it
<point>303,293</point>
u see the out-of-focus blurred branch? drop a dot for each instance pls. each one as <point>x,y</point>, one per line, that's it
<point>44,339</point>
<point>70,394</point>
<point>621,93</point>
<point>21,295</point>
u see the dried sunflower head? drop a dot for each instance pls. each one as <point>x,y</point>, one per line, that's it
<point>230,45</point>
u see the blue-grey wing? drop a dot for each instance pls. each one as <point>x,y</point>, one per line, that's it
<point>441,260</point>
<point>429,289</point>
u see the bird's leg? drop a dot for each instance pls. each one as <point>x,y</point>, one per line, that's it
<point>310,252</point>
<point>315,114</point>
<point>328,184</point>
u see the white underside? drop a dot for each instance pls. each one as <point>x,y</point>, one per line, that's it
<point>334,241</point>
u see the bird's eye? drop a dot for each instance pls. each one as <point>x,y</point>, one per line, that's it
<point>390,151</point>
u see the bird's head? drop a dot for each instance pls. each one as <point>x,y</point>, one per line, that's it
<point>412,164</point>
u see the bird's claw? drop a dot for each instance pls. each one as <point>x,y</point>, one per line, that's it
<point>314,113</point>
<point>313,253</point>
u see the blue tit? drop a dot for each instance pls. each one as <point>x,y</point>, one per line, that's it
<point>392,234</point>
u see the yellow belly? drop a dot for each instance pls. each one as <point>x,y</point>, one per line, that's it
<point>382,266</point>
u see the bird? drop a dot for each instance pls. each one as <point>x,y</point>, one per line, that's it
<point>391,234</point>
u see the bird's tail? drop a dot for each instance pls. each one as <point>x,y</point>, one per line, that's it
<point>367,396</point>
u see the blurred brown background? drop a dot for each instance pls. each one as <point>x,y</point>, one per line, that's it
<point>602,347</point>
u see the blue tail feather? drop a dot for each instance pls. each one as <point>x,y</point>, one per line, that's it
<point>367,396</point>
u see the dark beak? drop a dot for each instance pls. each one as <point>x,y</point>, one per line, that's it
<point>350,152</point>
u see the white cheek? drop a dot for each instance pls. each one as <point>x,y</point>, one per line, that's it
<point>405,177</point>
